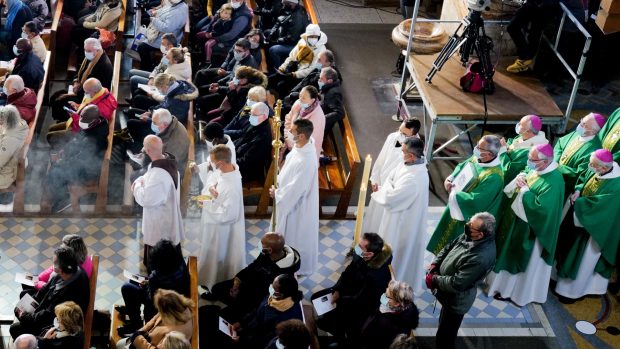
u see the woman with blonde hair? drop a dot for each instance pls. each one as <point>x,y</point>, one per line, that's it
<point>174,313</point>
<point>175,340</point>
<point>67,332</point>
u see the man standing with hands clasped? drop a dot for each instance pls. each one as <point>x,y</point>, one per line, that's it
<point>456,271</point>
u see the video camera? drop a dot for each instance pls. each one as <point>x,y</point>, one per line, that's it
<point>478,5</point>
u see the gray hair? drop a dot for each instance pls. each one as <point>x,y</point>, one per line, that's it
<point>258,92</point>
<point>415,146</point>
<point>261,108</point>
<point>16,82</point>
<point>598,161</point>
<point>95,43</point>
<point>493,143</point>
<point>9,116</point>
<point>488,222</point>
<point>77,245</point>
<point>28,339</point>
<point>164,115</point>
<point>175,340</point>
<point>403,341</point>
<point>330,73</point>
<point>401,293</point>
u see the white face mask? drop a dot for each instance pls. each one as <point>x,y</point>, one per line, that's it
<point>83,125</point>
<point>254,45</point>
<point>25,36</point>
<point>163,49</point>
<point>250,103</point>
<point>57,324</point>
<point>313,41</point>
<point>279,345</point>
<point>89,55</point>
<point>401,138</point>
<point>209,145</point>
<point>235,5</point>
<point>15,51</point>
<point>254,120</point>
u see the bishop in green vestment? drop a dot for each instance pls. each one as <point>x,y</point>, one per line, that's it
<point>482,193</point>
<point>527,235</point>
<point>610,134</point>
<point>513,153</point>
<point>589,239</point>
<point>572,152</point>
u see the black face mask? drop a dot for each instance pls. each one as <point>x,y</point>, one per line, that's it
<point>265,251</point>
<point>467,231</point>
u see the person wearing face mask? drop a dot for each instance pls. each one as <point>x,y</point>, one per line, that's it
<point>456,271</point>
<point>358,291</point>
<point>293,334</point>
<point>219,24</point>
<point>301,61</point>
<point>79,162</point>
<point>27,65</point>
<point>40,11</point>
<point>17,13</point>
<point>20,96</point>
<point>254,145</point>
<point>31,32</point>
<point>513,153</point>
<point>14,131</point>
<point>106,16</point>
<point>331,98</point>
<point>610,134</point>
<point>94,94</point>
<point>67,332</point>
<point>307,107</point>
<point>249,287</point>
<point>240,124</point>
<point>587,250</point>
<point>290,24</point>
<point>399,207</point>
<point>572,152</point>
<point>256,39</point>
<point>297,196</point>
<point>528,234</point>
<point>397,314</point>
<point>214,135</point>
<point>222,220</point>
<point>96,64</point>
<point>258,328</point>
<point>241,23</point>
<point>480,180</point>
<point>144,77</point>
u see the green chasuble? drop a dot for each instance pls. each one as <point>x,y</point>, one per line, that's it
<point>515,238</point>
<point>513,160</point>
<point>573,157</point>
<point>598,211</point>
<point>483,193</point>
<point>609,135</point>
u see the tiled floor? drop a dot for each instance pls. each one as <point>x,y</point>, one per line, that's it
<point>349,11</point>
<point>27,245</point>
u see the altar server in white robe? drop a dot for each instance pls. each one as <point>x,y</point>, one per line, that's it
<point>389,158</point>
<point>297,197</point>
<point>158,192</point>
<point>214,135</point>
<point>222,251</point>
<point>403,198</point>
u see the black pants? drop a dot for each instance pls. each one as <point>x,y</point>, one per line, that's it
<point>205,77</point>
<point>449,324</point>
<point>535,16</point>
<point>146,56</point>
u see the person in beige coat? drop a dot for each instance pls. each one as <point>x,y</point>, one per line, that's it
<point>174,313</point>
<point>13,133</point>
<point>105,17</point>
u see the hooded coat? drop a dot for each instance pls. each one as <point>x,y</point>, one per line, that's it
<point>11,141</point>
<point>26,102</point>
<point>177,100</point>
<point>305,55</point>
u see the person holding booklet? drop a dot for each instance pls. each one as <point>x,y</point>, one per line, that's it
<point>475,186</point>
<point>68,329</point>
<point>69,284</point>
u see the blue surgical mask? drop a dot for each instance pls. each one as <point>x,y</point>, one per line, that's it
<point>25,36</point>
<point>155,128</point>
<point>164,61</point>
<point>477,152</point>
<point>279,345</point>
<point>305,105</point>
<point>580,130</point>
<point>321,84</point>
<point>254,120</point>
<point>384,299</point>
<point>358,250</point>
<point>318,66</point>
<point>235,81</point>
<point>518,128</point>
<point>5,91</point>
<point>250,103</point>
<point>89,55</point>
<point>272,291</point>
<point>531,164</point>
<point>238,56</point>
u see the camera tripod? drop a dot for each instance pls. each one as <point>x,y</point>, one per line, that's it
<point>473,39</point>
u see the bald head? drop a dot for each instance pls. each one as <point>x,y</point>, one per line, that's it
<point>14,84</point>
<point>89,114</point>
<point>92,86</point>
<point>153,147</point>
<point>273,243</point>
<point>26,341</point>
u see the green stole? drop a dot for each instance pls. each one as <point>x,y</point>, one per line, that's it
<point>598,211</point>
<point>483,194</point>
<point>543,205</point>
<point>513,160</point>
<point>573,157</point>
<point>609,134</point>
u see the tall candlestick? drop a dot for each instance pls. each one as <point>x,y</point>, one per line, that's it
<point>361,202</point>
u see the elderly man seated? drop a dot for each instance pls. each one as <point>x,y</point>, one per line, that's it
<point>20,96</point>
<point>331,97</point>
<point>254,146</point>
<point>94,94</point>
<point>26,341</point>
<point>79,161</point>
<point>96,64</point>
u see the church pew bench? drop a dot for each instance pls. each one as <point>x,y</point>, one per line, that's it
<point>338,177</point>
<point>88,317</point>
<point>100,186</point>
<point>192,265</point>
<point>18,187</point>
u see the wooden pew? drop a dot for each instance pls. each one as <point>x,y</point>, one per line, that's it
<point>52,39</point>
<point>18,187</point>
<point>88,317</point>
<point>122,23</point>
<point>192,265</point>
<point>100,186</point>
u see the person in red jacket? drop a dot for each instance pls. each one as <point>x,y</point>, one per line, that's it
<point>94,94</point>
<point>23,98</point>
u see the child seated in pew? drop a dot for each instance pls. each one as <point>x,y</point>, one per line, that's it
<point>212,27</point>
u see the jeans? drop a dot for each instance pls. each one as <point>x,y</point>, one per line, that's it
<point>449,324</point>
<point>535,16</point>
<point>277,54</point>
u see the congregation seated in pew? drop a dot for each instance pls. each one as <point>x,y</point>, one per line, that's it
<point>106,17</point>
<point>138,76</point>
<point>240,124</point>
<point>256,39</point>
<point>307,107</point>
<point>17,13</point>
<point>293,334</point>
<point>40,11</point>
<point>32,32</point>
<point>211,28</point>
<point>15,131</point>
<point>27,65</point>
<point>21,97</point>
<point>254,146</point>
<point>67,331</point>
<point>285,33</point>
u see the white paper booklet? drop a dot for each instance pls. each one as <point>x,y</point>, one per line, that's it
<point>324,304</point>
<point>26,279</point>
<point>462,180</point>
<point>148,88</point>
<point>27,304</point>
<point>223,326</point>
<point>134,277</point>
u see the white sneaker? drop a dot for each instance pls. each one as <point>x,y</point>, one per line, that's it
<point>137,158</point>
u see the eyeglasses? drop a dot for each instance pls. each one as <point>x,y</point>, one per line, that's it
<point>469,226</point>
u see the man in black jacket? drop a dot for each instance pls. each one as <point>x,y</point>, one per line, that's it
<point>28,66</point>
<point>331,97</point>
<point>254,147</point>
<point>238,56</point>
<point>69,284</point>
<point>289,26</point>
<point>250,286</point>
<point>358,290</point>
<point>79,161</point>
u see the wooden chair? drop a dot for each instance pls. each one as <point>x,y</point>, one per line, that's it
<point>100,186</point>
<point>88,317</point>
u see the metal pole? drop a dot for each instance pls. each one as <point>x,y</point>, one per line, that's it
<point>403,78</point>
<point>573,95</point>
